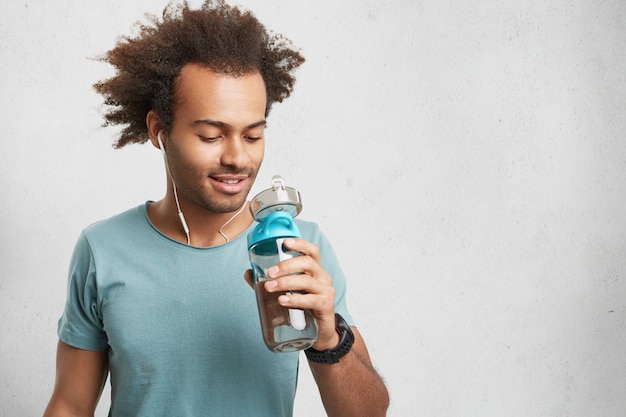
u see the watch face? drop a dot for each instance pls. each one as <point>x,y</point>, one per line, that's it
<point>333,355</point>
<point>343,325</point>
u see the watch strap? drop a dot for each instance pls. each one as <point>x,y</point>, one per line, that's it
<point>330,356</point>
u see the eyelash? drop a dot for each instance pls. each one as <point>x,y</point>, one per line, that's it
<point>248,138</point>
<point>205,139</point>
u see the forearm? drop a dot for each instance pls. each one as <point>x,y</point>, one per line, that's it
<point>351,387</point>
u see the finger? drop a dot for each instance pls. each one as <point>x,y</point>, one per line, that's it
<point>249,278</point>
<point>303,246</point>
<point>300,265</point>
<point>321,304</point>
<point>300,282</point>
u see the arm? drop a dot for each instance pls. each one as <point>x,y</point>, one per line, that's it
<point>351,387</point>
<point>80,378</point>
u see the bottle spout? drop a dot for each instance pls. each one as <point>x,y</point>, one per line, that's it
<point>277,198</point>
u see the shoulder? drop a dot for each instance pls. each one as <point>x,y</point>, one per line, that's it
<point>128,223</point>
<point>122,221</point>
<point>310,231</point>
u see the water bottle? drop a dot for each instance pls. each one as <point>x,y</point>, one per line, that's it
<point>284,329</point>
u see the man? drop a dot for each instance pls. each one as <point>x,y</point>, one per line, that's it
<point>155,295</point>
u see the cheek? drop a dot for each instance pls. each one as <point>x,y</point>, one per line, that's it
<point>202,156</point>
<point>259,154</point>
<point>191,158</point>
<point>256,152</point>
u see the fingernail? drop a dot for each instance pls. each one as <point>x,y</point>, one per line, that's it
<point>272,271</point>
<point>270,285</point>
<point>289,241</point>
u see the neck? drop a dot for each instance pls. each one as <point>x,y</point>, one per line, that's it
<point>206,228</point>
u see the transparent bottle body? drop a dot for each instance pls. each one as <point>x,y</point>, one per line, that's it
<point>284,329</point>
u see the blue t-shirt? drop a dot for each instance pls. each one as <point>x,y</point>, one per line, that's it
<point>180,323</point>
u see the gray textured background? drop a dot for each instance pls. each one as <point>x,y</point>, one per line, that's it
<point>466,159</point>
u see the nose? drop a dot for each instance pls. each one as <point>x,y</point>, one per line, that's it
<point>234,153</point>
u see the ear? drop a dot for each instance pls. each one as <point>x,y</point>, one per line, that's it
<point>154,124</point>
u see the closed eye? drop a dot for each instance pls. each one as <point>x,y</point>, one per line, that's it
<point>252,138</point>
<point>209,139</point>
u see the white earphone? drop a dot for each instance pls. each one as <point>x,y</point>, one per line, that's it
<point>183,222</point>
<point>181,216</point>
<point>161,147</point>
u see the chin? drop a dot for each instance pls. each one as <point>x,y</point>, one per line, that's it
<point>225,206</point>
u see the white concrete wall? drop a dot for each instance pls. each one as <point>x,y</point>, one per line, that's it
<point>466,158</point>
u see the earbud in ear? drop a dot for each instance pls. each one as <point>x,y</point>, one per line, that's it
<point>161,147</point>
<point>167,166</point>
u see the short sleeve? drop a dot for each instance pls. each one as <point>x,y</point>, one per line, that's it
<point>332,266</point>
<point>81,323</point>
<point>330,263</point>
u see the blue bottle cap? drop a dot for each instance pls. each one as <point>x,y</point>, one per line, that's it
<point>275,225</point>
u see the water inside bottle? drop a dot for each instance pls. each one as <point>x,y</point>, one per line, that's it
<point>279,332</point>
<point>284,329</point>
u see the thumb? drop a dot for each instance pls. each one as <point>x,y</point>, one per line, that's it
<point>249,278</point>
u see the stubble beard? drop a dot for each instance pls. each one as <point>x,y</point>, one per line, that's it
<point>195,187</point>
<point>213,201</point>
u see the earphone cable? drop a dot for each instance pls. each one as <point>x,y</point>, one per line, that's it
<point>230,220</point>
<point>180,213</point>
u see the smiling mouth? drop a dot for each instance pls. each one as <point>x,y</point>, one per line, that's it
<point>229,179</point>
<point>230,184</point>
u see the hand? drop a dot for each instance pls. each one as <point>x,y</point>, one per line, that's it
<point>315,291</point>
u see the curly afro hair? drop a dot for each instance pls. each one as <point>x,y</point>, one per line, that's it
<point>223,38</point>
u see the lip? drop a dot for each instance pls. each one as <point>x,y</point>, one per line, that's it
<point>229,184</point>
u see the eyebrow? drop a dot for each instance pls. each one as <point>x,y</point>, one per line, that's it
<point>223,125</point>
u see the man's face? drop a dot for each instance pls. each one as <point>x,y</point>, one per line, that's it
<point>217,142</point>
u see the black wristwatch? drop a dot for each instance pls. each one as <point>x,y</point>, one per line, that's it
<point>329,356</point>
